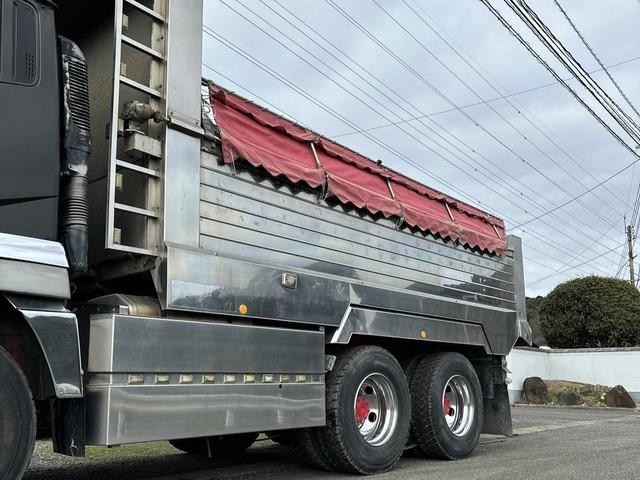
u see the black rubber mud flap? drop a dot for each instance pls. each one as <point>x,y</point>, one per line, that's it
<point>68,422</point>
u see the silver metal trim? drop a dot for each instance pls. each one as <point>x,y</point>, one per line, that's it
<point>181,214</point>
<point>181,210</point>
<point>198,280</point>
<point>243,378</point>
<point>139,86</point>
<point>122,343</point>
<point>524,329</point>
<point>409,327</point>
<point>129,249</point>
<point>376,409</point>
<point>136,210</point>
<point>152,13</point>
<point>38,279</point>
<point>137,168</point>
<point>142,47</point>
<point>184,126</point>
<point>35,250</point>
<point>119,414</point>
<point>57,334</point>
<point>462,408</point>
<point>338,333</point>
<point>315,155</point>
<point>114,126</point>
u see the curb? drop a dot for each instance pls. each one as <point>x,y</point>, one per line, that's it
<point>575,407</point>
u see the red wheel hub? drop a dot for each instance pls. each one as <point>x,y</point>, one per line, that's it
<point>362,409</point>
<point>447,406</point>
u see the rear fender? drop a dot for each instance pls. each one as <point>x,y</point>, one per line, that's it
<point>56,330</point>
<point>34,280</point>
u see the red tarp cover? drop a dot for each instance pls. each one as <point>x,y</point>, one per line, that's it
<point>281,147</point>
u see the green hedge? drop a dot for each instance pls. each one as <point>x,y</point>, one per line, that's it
<point>591,312</point>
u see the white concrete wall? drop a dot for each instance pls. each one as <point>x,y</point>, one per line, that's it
<point>596,366</point>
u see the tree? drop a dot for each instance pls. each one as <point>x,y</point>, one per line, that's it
<point>591,312</point>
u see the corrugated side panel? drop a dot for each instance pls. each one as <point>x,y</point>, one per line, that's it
<point>253,217</point>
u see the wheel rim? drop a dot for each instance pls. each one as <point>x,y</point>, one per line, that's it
<point>458,405</point>
<point>376,409</point>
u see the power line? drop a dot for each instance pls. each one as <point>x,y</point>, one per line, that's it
<point>546,36</point>
<point>475,200</point>
<point>571,268</point>
<point>559,79</point>
<point>579,164</point>
<point>434,89</point>
<point>563,269</point>
<point>517,107</point>
<point>493,178</point>
<point>545,254</point>
<point>253,94</point>
<point>428,84</point>
<point>350,124</point>
<point>360,99</point>
<point>510,124</point>
<point>513,32</point>
<point>578,196</point>
<point>476,104</point>
<point>580,232</point>
<point>623,266</point>
<point>529,246</point>
<point>593,53</point>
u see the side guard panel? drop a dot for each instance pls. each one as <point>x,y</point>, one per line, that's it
<point>360,321</point>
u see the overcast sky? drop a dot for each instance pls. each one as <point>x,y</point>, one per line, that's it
<point>515,159</point>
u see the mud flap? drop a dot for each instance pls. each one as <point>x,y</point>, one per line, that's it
<point>68,426</point>
<point>497,412</point>
<point>492,374</point>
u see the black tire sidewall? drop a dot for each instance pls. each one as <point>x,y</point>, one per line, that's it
<point>17,419</point>
<point>368,457</point>
<point>456,446</point>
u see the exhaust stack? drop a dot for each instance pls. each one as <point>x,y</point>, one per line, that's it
<point>76,147</point>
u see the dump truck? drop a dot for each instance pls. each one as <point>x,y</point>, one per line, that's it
<point>178,263</point>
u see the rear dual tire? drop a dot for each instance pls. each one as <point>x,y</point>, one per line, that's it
<point>372,404</point>
<point>367,405</point>
<point>447,408</point>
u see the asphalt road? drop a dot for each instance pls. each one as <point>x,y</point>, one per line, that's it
<point>550,443</point>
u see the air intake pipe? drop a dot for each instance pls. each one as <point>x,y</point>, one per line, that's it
<point>76,147</point>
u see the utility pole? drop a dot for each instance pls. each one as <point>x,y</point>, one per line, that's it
<point>631,256</point>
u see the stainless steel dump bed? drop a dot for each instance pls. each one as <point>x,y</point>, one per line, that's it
<point>272,249</point>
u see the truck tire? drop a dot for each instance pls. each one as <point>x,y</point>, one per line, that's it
<point>307,445</point>
<point>17,419</point>
<point>446,406</point>
<point>368,412</point>
<point>216,447</point>
<point>409,366</point>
